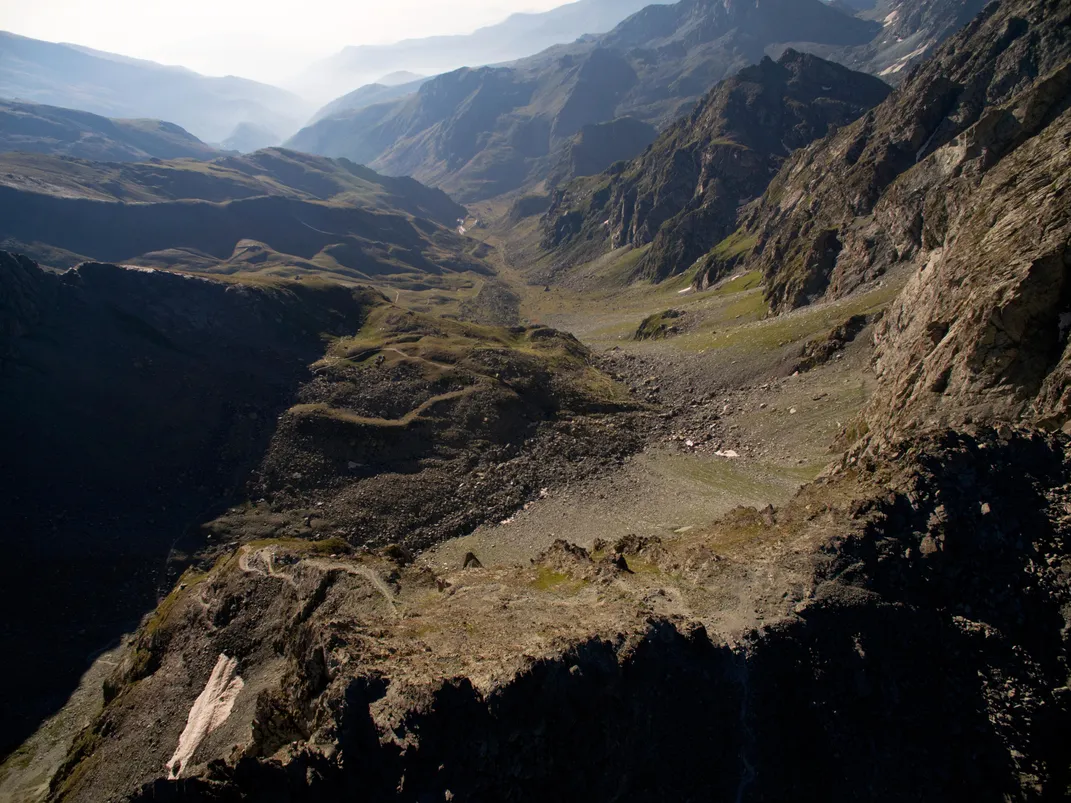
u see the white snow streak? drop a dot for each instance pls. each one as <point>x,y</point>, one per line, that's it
<point>209,711</point>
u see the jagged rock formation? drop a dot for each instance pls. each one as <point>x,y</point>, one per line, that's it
<point>981,330</point>
<point>482,132</point>
<point>834,218</point>
<point>684,193</point>
<point>274,211</point>
<point>66,132</point>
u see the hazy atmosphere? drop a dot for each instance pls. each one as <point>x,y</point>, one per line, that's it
<point>267,40</point>
<point>618,401</point>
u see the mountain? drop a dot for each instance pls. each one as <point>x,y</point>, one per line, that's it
<point>404,557</point>
<point>683,194</point>
<point>114,86</point>
<point>49,129</point>
<point>272,212</point>
<point>911,31</point>
<point>367,95</point>
<point>483,132</point>
<point>961,179</point>
<point>249,137</point>
<point>518,36</point>
<point>398,77</point>
<point>840,213</point>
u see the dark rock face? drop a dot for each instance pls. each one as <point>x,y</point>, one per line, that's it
<point>134,402</point>
<point>683,194</point>
<point>831,188</point>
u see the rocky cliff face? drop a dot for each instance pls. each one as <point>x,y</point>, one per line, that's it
<point>821,226</point>
<point>683,194</point>
<point>981,330</point>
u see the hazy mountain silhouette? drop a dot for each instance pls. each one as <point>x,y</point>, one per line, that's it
<point>518,36</point>
<point>115,86</point>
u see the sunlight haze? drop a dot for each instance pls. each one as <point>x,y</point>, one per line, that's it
<point>269,40</point>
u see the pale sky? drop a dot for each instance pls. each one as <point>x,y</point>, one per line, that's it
<point>268,40</point>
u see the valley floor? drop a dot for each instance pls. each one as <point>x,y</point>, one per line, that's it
<point>727,420</point>
<point>726,383</point>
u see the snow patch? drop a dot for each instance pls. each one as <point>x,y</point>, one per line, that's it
<point>209,711</point>
<point>903,61</point>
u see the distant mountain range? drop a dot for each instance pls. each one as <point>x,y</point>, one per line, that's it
<point>35,128</point>
<point>481,132</point>
<point>518,36</point>
<point>115,86</point>
<point>368,95</point>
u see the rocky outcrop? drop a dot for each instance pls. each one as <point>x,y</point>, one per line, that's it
<point>981,330</point>
<point>825,226</point>
<point>423,429</point>
<point>921,646</point>
<point>684,193</point>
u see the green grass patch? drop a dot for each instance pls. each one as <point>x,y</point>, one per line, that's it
<point>769,335</point>
<point>739,284</point>
<point>549,580</point>
<point>735,245</point>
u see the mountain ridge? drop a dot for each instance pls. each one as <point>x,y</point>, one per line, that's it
<point>684,192</point>
<point>274,211</point>
<point>520,35</point>
<point>67,132</point>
